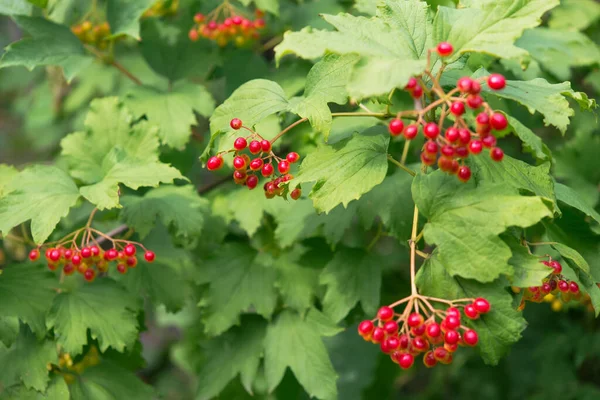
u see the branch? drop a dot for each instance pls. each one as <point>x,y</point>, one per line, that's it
<point>402,166</point>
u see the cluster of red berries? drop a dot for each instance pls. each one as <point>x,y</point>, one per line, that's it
<point>554,284</point>
<point>246,168</point>
<point>94,35</point>
<point>459,140</point>
<point>232,29</point>
<point>91,260</point>
<point>405,337</point>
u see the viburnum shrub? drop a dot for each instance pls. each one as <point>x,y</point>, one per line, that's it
<point>205,200</point>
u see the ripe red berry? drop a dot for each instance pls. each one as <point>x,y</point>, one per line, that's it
<point>431,130</point>
<point>378,335</point>
<point>498,121</point>
<point>451,337</point>
<point>464,173</point>
<point>546,287</point>
<point>199,18</point>
<point>457,108</point>
<point>296,193</point>
<point>254,147</point>
<point>292,157</point>
<point>111,254</point>
<point>420,344</point>
<point>496,82</point>
<point>462,152</point>
<point>129,250</point>
<point>55,255</point>
<point>390,327</point>
<point>474,101</point>
<point>452,321</point>
<point>470,337</point>
<point>236,123</point>
<point>497,154</point>
<point>265,145</point>
<point>464,84</point>
<point>131,261</point>
<point>448,150</point>
<point>406,361</point>
<point>556,266</point>
<point>34,254</point>
<point>464,136</point>
<point>475,87</point>
<point>89,274</point>
<point>240,143</point>
<point>283,167</point>
<point>431,147</point>
<point>239,162</point>
<point>252,181</point>
<point>417,92</point>
<point>444,49</point>
<point>76,259</point>
<point>122,268</point>
<point>396,126</point>
<point>429,360</point>
<point>214,163</point>
<point>256,164</point>
<point>489,141</point>
<point>452,134</point>
<point>366,328</point>
<point>411,132</point>
<point>149,256</point>
<point>427,159</point>
<point>68,269</point>
<point>392,343</point>
<point>482,305</point>
<point>414,320</point>
<point>482,118</point>
<point>385,313</point>
<point>267,170</point>
<point>573,287</point>
<point>433,330</point>
<point>563,286</point>
<point>453,312</point>
<point>471,312</point>
<point>412,83</point>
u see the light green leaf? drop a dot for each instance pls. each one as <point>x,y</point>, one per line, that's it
<point>42,194</point>
<point>558,51</point>
<point>229,355</point>
<point>104,308</point>
<point>574,14</point>
<point>177,206</point>
<point>518,174</point>
<point>465,221</point>
<point>241,270</point>
<point>352,276</point>
<point>57,390</point>
<point>347,170</point>
<point>531,142</point>
<point>15,7</point>
<point>39,3</point>
<point>7,173</point>
<point>26,361</point>
<point>295,343</point>
<point>498,329</point>
<point>239,201</point>
<point>50,44</point>
<point>528,270</point>
<point>109,381</point>
<point>296,283</point>
<point>124,16</point>
<point>488,26</point>
<point>172,111</point>
<point>271,6</point>
<point>570,197</point>
<point>9,329</point>
<point>326,82</point>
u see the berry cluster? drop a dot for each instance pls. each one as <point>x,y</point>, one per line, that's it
<point>94,35</point>
<point>233,28</point>
<point>162,8</point>
<point>246,168</point>
<point>68,368</point>
<point>456,141</point>
<point>405,336</point>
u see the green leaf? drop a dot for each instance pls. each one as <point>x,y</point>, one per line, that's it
<point>109,381</point>
<point>392,47</point>
<point>15,7</point>
<point>7,173</point>
<point>9,329</point>
<point>347,170</point>
<point>566,195</point>
<point>296,343</point>
<point>231,354</point>
<point>50,44</point>
<point>271,6</point>
<point>238,203</point>
<point>172,111</point>
<point>42,194</point>
<point>104,308</point>
<point>488,26</point>
<point>518,174</point>
<point>531,142</point>
<point>557,51</point>
<point>238,269</point>
<point>353,276</point>
<point>296,283</point>
<point>528,270</point>
<point>465,221</point>
<point>57,390</point>
<point>27,291</point>
<point>326,82</point>
<point>124,16</point>
<point>550,100</point>
<point>26,361</point>
<point>574,14</point>
<point>39,3</point>
<point>177,206</point>
<point>498,329</point>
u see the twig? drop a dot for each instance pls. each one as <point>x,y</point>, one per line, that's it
<point>402,166</point>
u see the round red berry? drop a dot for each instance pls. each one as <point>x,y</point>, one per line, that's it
<point>465,84</point>
<point>149,256</point>
<point>464,136</point>
<point>283,167</point>
<point>474,101</point>
<point>131,261</point>
<point>429,360</point>
<point>122,268</point>
<point>470,337</point>
<point>444,49</point>
<point>497,154</point>
<point>417,92</point>
<point>563,285</point>
<point>475,87</point>
<point>431,130</point>
<point>448,150</point>
<point>433,330</point>
<point>254,147</point>
<point>68,269</point>
<point>453,312</point>
<point>412,83</point>
<point>451,337</point>
<point>292,157</point>
<point>240,143</point>
<point>546,287</point>
<point>239,162</point>
<point>34,254</point>
<point>471,312</point>
<point>256,164</point>
<point>89,274</point>
<point>452,321</point>
<point>464,173</point>
<point>482,305</point>
<point>496,82</point>
<point>111,254</point>
<point>489,141</point>
<point>462,152</point>
<point>129,250</point>
<point>411,132</point>
<point>236,123</point>
<point>55,255</point>
<point>296,193</point>
<point>378,335</point>
<point>390,327</point>
<point>365,328</point>
<point>214,163</point>
<point>252,181</point>
<point>556,266</point>
<point>498,121</point>
<point>431,147</point>
<point>267,170</point>
<point>427,159</point>
<point>573,287</point>
<point>414,320</point>
<point>406,361</point>
<point>385,313</point>
<point>396,126</point>
<point>482,118</point>
<point>457,108</point>
<point>265,145</point>
<point>392,343</point>
<point>452,134</point>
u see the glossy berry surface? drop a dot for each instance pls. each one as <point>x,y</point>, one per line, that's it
<point>396,126</point>
<point>236,123</point>
<point>240,143</point>
<point>496,82</point>
<point>444,49</point>
<point>149,256</point>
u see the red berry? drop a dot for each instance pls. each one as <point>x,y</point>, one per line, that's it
<point>378,335</point>
<point>573,287</point>
<point>193,34</point>
<point>254,147</point>
<point>131,261</point>
<point>385,313</point>
<point>76,259</point>
<point>122,268</point>
<point>236,124</point>
<point>427,159</point>
<point>448,150</point>
<point>453,311</point>
<point>462,152</point>
<point>444,49</point>
<point>239,162</point>
<point>452,321</point>
<point>212,25</point>
<point>429,359</point>
<point>198,18</point>
<point>256,164</point>
<point>55,255</point>
<point>417,92</point>
<point>431,130</point>
<point>34,254</point>
<point>89,274</point>
<point>496,82</point>
<point>237,20</point>
<point>365,328</point>
<point>431,147</point>
<point>396,126</point>
<point>240,143</point>
<point>489,141</point>
<point>412,83</point>
<point>465,84</point>
<point>464,136</point>
<point>420,344</point>
<point>404,341</point>
<point>129,250</point>
<point>214,163</point>
<point>483,118</point>
<point>68,269</point>
<point>471,312</point>
<point>451,337</point>
<point>111,254</point>
<point>296,193</point>
<point>452,134</point>
<point>283,167</point>
<point>52,266</point>
<point>474,101</point>
<point>292,157</point>
<point>475,87</point>
<point>414,320</point>
<point>149,256</point>
<point>546,287</point>
<point>411,132</point>
<point>418,330</point>
<point>497,154</point>
<point>265,145</point>
<point>457,108</point>
<point>252,181</point>
<point>267,170</point>
<point>390,327</point>
<point>556,266</point>
<point>482,305</point>
<point>563,285</point>
<point>470,337</point>
<point>498,121</point>
<point>464,173</point>
<point>433,330</point>
<point>392,343</point>
<point>406,361</point>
